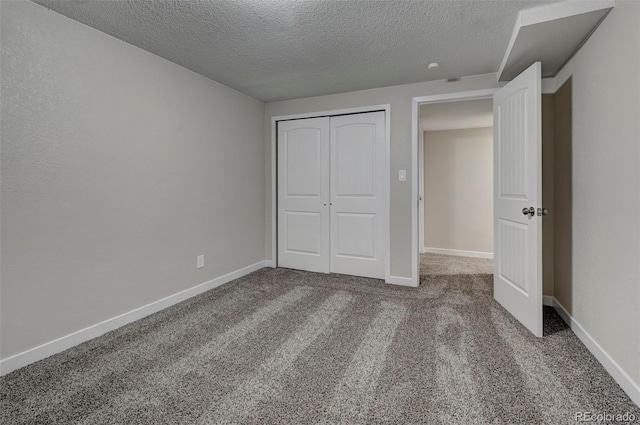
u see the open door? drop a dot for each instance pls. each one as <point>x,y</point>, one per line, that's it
<point>517,284</point>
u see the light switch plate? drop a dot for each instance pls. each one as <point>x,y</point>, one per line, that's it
<point>402,175</point>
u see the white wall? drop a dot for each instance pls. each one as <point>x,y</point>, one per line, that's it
<point>399,97</point>
<point>118,168</point>
<point>606,186</point>
<point>458,189</point>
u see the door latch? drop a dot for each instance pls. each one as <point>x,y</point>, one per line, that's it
<point>542,212</point>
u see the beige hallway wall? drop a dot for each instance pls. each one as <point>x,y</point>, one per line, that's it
<point>548,190</point>
<point>563,196</point>
<point>458,189</point>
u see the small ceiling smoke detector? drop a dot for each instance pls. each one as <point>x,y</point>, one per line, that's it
<point>433,65</point>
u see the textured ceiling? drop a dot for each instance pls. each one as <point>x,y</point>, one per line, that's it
<point>457,115</point>
<point>277,49</point>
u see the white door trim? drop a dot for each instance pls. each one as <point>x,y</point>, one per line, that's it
<point>274,182</point>
<point>416,226</point>
<point>421,188</point>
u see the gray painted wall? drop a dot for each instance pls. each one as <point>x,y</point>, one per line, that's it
<point>605,287</point>
<point>118,168</point>
<point>399,97</point>
<point>458,189</point>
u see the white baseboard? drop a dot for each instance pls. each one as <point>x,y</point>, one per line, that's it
<point>56,346</point>
<point>458,252</point>
<point>401,281</point>
<point>548,300</point>
<point>619,375</point>
<point>269,263</point>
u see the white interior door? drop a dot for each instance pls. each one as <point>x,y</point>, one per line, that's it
<point>303,194</point>
<point>358,202</point>
<point>518,190</point>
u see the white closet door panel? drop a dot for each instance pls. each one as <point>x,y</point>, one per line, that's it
<point>355,161</point>
<point>303,194</point>
<point>304,232</point>
<point>356,235</point>
<point>358,202</point>
<point>302,149</point>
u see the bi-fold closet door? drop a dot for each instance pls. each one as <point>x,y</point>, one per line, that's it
<point>332,207</point>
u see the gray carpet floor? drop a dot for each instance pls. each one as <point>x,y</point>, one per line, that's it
<point>435,265</point>
<point>288,347</point>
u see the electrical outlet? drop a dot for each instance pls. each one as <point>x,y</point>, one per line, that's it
<point>200,261</point>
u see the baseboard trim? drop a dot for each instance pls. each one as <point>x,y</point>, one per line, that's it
<point>619,375</point>
<point>458,252</point>
<point>548,300</point>
<point>56,346</point>
<point>401,281</point>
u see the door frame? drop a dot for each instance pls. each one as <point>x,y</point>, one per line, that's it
<point>387,174</point>
<point>420,186</point>
<point>416,169</point>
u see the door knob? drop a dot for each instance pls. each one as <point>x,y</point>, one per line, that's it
<point>543,211</point>
<point>529,211</point>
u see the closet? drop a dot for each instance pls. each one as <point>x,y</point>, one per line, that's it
<point>332,197</point>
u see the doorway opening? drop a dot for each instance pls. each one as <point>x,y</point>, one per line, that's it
<point>451,102</point>
<point>556,182</point>
<point>455,162</point>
